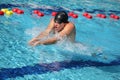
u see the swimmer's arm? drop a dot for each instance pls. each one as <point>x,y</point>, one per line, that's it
<point>48,41</point>
<point>54,39</point>
<point>47,30</point>
<point>42,34</point>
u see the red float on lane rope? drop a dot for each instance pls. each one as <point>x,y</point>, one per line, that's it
<point>74,15</point>
<point>87,15</point>
<point>54,13</point>
<point>40,14</point>
<point>1,13</point>
<point>15,9</point>
<point>114,16</point>
<point>18,11</point>
<point>36,11</point>
<point>70,13</point>
<point>101,15</point>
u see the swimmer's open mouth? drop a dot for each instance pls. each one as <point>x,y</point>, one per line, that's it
<point>56,29</point>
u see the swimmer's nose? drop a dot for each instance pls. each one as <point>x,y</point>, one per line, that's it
<point>56,25</point>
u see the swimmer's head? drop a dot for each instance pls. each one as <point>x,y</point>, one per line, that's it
<point>61,17</point>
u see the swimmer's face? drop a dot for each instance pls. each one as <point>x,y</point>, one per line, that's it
<point>60,20</point>
<point>58,26</point>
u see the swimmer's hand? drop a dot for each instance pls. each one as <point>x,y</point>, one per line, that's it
<point>34,41</point>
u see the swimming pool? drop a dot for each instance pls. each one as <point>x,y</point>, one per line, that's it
<point>19,61</point>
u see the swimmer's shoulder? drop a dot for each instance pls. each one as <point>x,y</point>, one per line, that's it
<point>70,24</point>
<point>52,20</point>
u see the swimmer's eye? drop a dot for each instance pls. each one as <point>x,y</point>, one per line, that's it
<point>58,22</point>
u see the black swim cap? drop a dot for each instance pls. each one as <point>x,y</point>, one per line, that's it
<point>61,17</point>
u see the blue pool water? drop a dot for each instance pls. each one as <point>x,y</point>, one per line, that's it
<point>65,60</point>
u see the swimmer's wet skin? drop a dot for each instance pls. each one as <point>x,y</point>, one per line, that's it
<point>58,25</point>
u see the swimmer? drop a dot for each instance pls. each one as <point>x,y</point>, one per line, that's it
<point>60,27</point>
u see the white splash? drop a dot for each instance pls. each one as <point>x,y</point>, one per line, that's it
<point>34,31</point>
